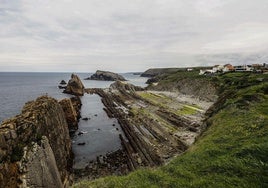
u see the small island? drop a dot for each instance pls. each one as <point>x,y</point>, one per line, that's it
<point>106,76</point>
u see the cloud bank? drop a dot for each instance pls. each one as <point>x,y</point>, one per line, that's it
<point>119,35</point>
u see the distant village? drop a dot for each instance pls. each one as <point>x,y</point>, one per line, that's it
<point>256,68</point>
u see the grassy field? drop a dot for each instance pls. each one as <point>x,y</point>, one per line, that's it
<point>232,152</point>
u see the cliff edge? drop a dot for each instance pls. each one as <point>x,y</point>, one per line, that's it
<point>35,147</point>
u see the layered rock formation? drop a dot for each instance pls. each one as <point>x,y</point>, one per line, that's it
<point>106,76</point>
<point>125,86</point>
<point>156,127</point>
<point>71,108</point>
<point>75,86</point>
<point>35,147</point>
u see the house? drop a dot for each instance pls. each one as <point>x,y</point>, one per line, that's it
<point>189,69</point>
<point>228,68</point>
<point>243,68</point>
<point>217,68</point>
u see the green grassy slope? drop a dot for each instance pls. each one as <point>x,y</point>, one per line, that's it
<point>232,152</point>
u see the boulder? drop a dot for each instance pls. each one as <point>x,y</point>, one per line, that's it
<point>106,76</point>
<point>75,86</point>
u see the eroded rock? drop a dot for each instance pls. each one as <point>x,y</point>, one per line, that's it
<point>75,86</point>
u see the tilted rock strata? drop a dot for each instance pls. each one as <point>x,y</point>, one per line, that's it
<point>75,86</point>
<point>40,130</point>
<point>147,141</point>
<point>71,108</point>
<point>106,76</point>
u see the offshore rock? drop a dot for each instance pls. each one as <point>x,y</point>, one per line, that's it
<point>35,147</point>
<point>75,86</point>
<point>106,76</point>
<point>63,82</point>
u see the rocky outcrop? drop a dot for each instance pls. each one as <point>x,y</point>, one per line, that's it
<point>75,86</point>
<point>106,76</point>
<point>158,71</point>
<point>35,147</point>
<point>71,114</point>
<point>63,82</point>
<point>125,86</point>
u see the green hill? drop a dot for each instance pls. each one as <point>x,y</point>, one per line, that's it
<point>232,152</point>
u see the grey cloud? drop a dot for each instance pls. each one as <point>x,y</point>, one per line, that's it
<point>90,34</point>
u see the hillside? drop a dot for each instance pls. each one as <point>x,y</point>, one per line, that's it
<point>232,152</point>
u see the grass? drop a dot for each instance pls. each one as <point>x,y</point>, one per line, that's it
<point>187,110</point>
<point>231,153</point>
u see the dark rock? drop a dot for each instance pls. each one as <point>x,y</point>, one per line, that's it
<point>63,82</point>
<point>62,87</point>
<point>86,119</point>
<point>106,76</point>
<point>81,143</point>
<point>75,86</point>
<point>80,133</point>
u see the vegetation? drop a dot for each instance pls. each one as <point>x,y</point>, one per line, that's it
<point>231,153</point>
<point>187,110</point>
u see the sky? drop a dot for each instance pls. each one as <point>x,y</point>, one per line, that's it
<point>133,35</point>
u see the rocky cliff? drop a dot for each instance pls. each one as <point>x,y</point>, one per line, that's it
<point>35,147</point>
<point>106,76</point>
<point>75,86</point>
<point>188,83</point>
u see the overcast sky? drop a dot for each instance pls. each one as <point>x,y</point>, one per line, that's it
<point>127,35</point>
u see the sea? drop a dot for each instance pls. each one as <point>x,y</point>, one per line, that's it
<point>16,88</point>
<point>95,137</point>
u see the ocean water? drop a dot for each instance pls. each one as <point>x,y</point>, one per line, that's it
<point>18,88</point>
<point>100,133</point>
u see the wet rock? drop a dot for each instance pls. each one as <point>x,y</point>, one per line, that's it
<point>81,143</point>
<point>62,87</point>
<point>86,119</point>
<point>63,82</point>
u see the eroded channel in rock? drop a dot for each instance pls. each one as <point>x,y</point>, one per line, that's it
<point>96,143</point>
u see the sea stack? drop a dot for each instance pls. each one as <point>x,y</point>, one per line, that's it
<point>75,86</point>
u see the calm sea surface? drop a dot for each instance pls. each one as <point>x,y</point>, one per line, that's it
<point>100,133</point>
<point>18,88</point>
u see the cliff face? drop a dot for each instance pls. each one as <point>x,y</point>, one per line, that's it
<point>75,86</point>
<point>188,83</point>
<point>35,147</point>
<point>106,76</point>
